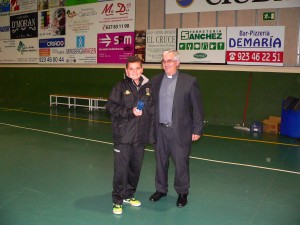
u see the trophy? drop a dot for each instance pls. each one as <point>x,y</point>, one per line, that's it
<point>140,105</point>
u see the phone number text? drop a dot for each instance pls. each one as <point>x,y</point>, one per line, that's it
<point>245,56</point>
<point>51,59</point>
<point>115,26</point>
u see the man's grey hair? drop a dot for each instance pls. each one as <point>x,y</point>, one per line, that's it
<point>176,53</point>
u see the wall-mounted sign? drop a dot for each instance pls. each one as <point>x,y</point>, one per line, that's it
<point>19,51</point>
<point>202,45</point>
<point>115,47</point>
<point>4,6</point>
<point>22,6</point>
<point>269,16</point>
<point>186,6</point>
<point>24,26</point>
<point>157,41</point>
<point>255,45</point>
<point>4,26</point>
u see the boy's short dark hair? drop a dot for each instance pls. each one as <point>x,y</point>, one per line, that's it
<point>133,59</point>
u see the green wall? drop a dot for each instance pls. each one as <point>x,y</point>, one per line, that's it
<point>224,93</point>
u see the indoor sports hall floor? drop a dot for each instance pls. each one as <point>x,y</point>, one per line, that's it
<point>56,168</point>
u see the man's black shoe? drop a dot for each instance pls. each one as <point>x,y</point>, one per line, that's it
<point>182,200</point>
<point>156,196</point>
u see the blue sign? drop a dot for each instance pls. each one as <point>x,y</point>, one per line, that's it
<point>80,42</point>
<point>52,43</point>
<point>4,6</point>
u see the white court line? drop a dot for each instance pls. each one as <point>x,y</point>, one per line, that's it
<point>150,150</point>
<point>246,165</point>
<point>49,132</point>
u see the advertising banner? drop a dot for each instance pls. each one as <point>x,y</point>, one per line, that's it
<point>140,44</point>
<point>158,41</point>
<point>187,6</point>
<point>4,6</point>
<point>81,38</point>
<point>52,31</point>
<point>117,16</point>
<point>19,51</point>
<point>116,37</point>
<point>52,22</point>
<point>115,47</point>
<point>27,50</point>
<point>24,26</point>
<point>4,26</point>
<point>22,6</point>
<point>8,51</point>
<point>255,45</point>
<point>52,50</point>
<point>202,45</point>
<point>81,2</point>
<point>48,4</point>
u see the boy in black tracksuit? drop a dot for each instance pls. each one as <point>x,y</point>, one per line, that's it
<point>131,131</point>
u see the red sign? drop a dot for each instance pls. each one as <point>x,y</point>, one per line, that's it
<point>254,56</point>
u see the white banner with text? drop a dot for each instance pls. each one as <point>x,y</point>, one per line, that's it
<point>255,45</point>
<point>187,6</point>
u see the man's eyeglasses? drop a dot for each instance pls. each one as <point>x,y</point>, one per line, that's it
<point>168,61</point>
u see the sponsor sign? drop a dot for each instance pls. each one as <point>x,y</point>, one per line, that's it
<point>52,50</point>
<point>140,44</point>
<point>4,6</point>
<point>52,43</point>
<point>158,41</point>
<point>52,22</point>
<point>8,51</point>
<point>255,45</point>
<point>81,39</point>
<point>81,2</point>
<point>186,6</point>
<point>24,26</point>
<point>19,51</point>
<point>22,6</point>
<point>4,26</point>
<point>202,45</point>
<point>48,4</point>
<point>115,47</point>
<point>117,16</point>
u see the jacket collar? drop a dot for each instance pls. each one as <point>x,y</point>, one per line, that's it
<point>143,80</point>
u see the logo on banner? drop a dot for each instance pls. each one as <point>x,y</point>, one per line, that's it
<point>4,6</point>
<point>200,55</point>
<point>71,14</point>
<point>120,8</point>
<point>184,3</point>
<point>4,29</point>
<point>24,26</point>
<point>80,42</point>
<point>21,47</point>
<point>52,43</point>
<point>202,46</point>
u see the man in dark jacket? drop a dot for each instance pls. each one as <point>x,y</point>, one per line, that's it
<point>178,122</point>
<point>131,129</point>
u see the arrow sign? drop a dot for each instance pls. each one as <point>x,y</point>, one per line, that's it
<point>105,40</point>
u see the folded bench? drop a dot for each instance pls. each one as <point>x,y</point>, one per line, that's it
<point>90,102</point>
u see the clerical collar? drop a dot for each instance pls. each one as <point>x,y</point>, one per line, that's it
<point>173,76</point>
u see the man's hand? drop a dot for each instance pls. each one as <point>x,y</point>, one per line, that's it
<point>195,137</point>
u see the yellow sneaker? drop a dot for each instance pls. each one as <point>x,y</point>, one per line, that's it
<point>117,209</point>
<point>132,201</point>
